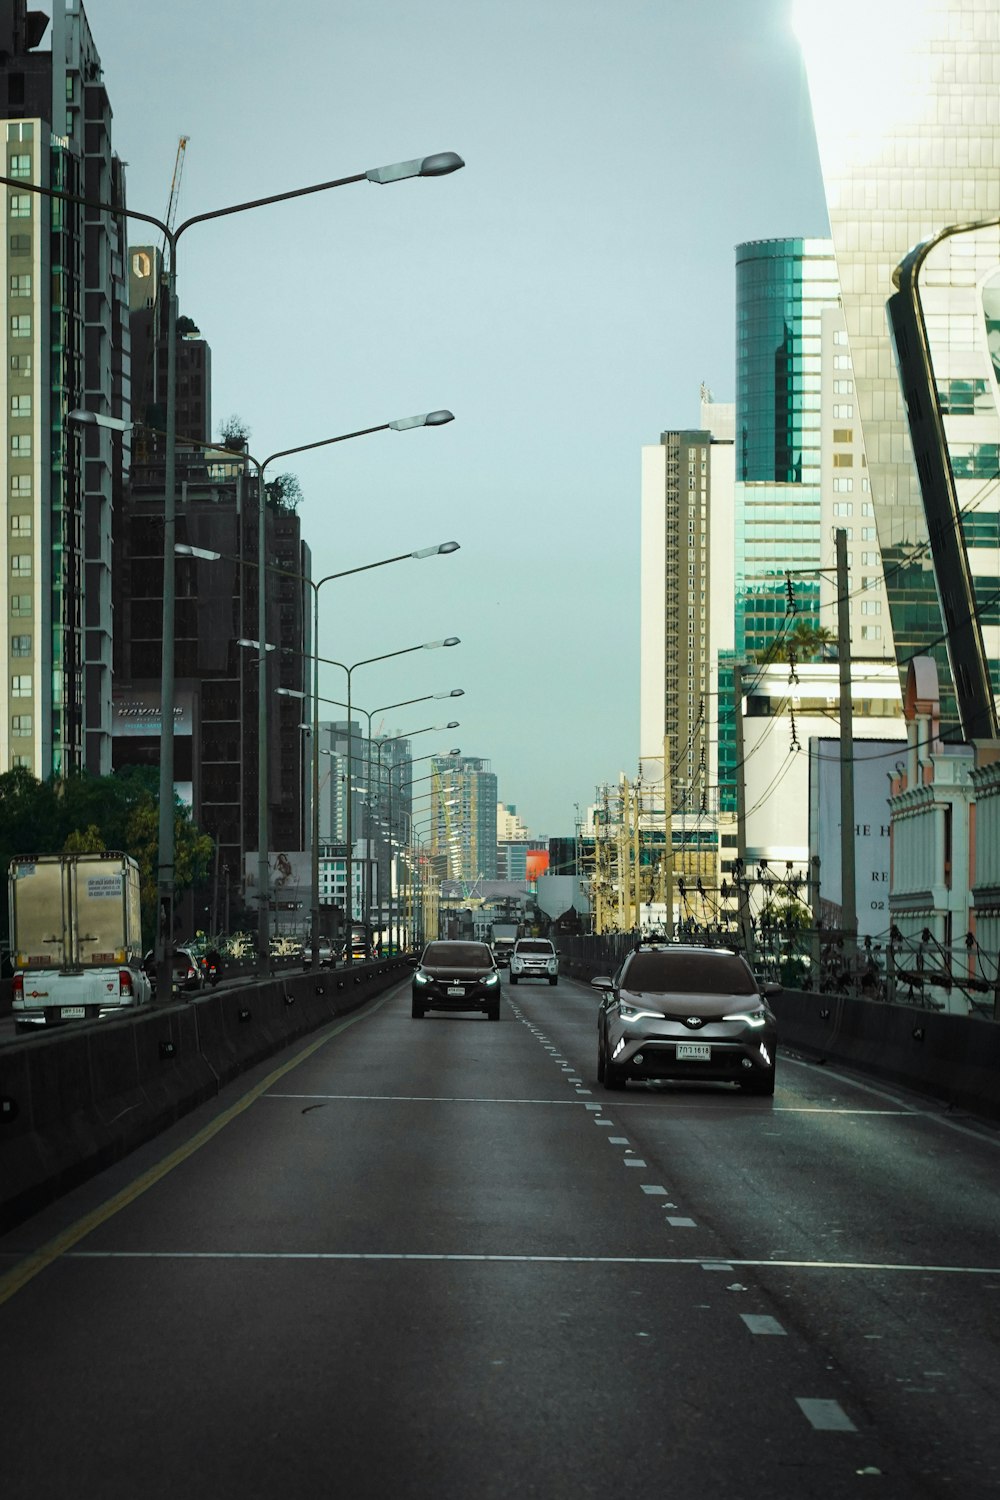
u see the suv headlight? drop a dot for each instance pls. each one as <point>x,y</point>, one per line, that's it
<point>629,1012</point>
<point>492,979</point>
<point>755,1018</point>
<point>419,978</point>
<point>553,965</point>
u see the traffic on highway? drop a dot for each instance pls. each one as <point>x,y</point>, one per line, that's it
<point>436,1257</point>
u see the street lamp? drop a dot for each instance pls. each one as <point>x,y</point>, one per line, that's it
<point>439,164</point>
<point>431,419</point>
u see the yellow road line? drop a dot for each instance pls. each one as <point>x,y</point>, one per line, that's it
<point>27,1269</point>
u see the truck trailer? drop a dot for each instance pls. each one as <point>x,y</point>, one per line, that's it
<point>76,938</point>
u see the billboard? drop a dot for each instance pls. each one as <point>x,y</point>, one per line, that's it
<point>536,862</point>
<point>137,713</point>
<point>874,761</point>
<point>289,877</point>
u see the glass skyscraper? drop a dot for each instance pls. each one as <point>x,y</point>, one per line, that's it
<point>915,153</point>
<point>782,287</point>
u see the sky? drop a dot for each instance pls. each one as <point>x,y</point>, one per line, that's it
<point>565,295</point>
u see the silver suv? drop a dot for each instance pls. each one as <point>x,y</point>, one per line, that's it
<point>534,958</point>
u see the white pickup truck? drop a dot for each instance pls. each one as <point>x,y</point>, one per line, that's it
<point>76,938</point>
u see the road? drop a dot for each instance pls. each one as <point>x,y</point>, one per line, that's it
<point>435,1259</point>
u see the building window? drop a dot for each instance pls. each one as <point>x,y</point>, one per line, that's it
<point>19,165</point>
<point>843,460</point>
<point>20,687</point>
<point>840,336</point>
<point>841,361</point>
<point>20,604</point>
<point>843,508</point>
<point>20,525</point>
<point>871,607</point>
<point>20,285</point>
<point>20,760</point>
<point>843,387</point>
<point>20,645</point>
<point>843,486</point>
<point>868,534</point>
<point>20,726</point>
<point>20,364</point>
<point>20,564</point>
<point>20,205</point>
<point>20,244</point>
<point>869,559</point>
<point>20,445</point>
<point>20,406</point>
<point>20,130</point>
<point>20,326</point>
<point>871,632</point>
<point>843,434</point>
<point>20,486</point>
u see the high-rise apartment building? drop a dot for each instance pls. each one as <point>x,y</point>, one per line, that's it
<point>782,287</point>
<point>464,817</point>
<point>67,347</point>
<point>921,157</point>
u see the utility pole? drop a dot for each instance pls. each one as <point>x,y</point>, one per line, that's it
<point>848,882</point>
<point>742,881</point>
<point>636,861</point>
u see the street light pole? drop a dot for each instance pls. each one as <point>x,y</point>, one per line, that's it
<point>439,164</point>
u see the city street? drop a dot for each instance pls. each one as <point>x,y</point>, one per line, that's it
<point>435,1258</point>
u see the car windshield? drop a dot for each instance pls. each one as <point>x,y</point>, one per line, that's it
<point>532,947</point>
<point>457,955</point>
<point>704,973</point>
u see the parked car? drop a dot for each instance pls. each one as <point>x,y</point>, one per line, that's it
<point>534,958</point>
<point>455,975</point>
<point>684,1012</point>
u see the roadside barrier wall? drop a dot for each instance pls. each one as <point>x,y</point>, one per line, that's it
<point>951,1058</point>
<point>75,1100</point>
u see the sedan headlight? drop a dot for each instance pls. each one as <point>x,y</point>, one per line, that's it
<point>420,978</point>
<point>753,1018</point>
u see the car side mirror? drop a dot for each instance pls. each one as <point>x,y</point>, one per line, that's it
<point>771,989</point>
<point>603,982</point>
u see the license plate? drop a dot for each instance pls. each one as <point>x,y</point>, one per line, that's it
<point>73,1012</point>
<point>693,1052</point>
<point>455,989</point>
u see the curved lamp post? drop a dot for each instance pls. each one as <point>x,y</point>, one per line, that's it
<point>439,164</point>
<point>431,419</point>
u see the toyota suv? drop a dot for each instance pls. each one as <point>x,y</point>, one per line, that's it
<point>534,958</point>
<point>678,1011</point>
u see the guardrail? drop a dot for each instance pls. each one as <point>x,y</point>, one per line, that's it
<point>75,1100</point>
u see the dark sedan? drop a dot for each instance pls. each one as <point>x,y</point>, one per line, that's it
<point>456,975</point>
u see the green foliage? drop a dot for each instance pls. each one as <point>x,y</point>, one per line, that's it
<point>84,814</point>
<point>284,492</point>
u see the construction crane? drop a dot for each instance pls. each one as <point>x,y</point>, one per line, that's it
<point>175,188</point>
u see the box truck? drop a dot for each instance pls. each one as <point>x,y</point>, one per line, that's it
<point>76,938</point>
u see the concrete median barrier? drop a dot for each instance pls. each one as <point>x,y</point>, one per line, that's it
<point>75,1100</point>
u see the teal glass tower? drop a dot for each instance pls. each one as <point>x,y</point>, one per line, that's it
<point>782,287</point>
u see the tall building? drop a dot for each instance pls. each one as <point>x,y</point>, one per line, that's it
<point>67,347</point>
<point>782,287</point>
<point>216,720</point>
<point>464,817</point>
<point>922,157</point>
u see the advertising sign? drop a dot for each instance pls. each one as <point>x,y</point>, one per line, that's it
<point>873,764</point>
<point>137,713</point>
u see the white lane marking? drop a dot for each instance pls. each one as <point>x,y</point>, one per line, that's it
<point>680,1223</point>
<point>418,1099</point>
<point>568,1260</point>
<point>633,1161</point>
<point>759,1323</point>
<point>583,1091</point>
<point>654,1189</point>
<point>610,1123</point>
<point>825,1416</point>
<point>936,1118</point>
<point>716,1265</point>
<point>617,1140</point>
<point>594,1106</point>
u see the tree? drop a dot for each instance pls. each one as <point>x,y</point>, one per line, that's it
<point>235,433</point>
<point>284,492</point>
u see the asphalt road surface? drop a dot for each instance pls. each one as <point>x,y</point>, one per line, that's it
<point>435,1259</point>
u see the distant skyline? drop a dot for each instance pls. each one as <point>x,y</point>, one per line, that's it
<point>565,295</point>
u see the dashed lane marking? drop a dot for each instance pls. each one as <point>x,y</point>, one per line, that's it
<point>825,1416</point>
<point>760,1323</point>
<point>677,1222</point>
